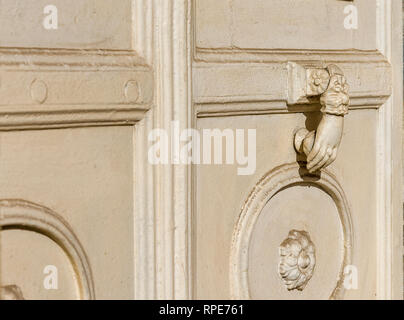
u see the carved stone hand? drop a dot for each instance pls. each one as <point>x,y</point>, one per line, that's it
<point>328,138</point>
<point>321,146</point>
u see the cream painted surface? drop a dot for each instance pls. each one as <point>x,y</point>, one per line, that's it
<point>252,65</point>
<point>76,188</point>
<point>88,24</point>
<point>32,253</point>
<point>70,100</point>
<point>85,176</point>
<point>224,202</point>
<point>283,24</point>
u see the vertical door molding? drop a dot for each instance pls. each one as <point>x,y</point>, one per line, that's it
<point>389,135</point>
<point>163,192</point>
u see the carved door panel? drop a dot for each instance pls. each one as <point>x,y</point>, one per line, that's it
<point>310,207</point>
<point>71,92</point>
<point>318,81</point>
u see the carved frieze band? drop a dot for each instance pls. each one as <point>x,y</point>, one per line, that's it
<point>40,87</point>
<point>248,82</point>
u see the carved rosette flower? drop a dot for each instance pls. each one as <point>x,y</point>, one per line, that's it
<point>318,81</point>
<point>297,260</point>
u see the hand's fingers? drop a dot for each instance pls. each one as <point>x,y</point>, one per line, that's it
<point>314,151</point>
<point>320,164</point>
<point>332,158</point>
<point>320,155</point>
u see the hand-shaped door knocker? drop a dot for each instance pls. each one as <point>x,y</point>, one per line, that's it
<point>321,146</point>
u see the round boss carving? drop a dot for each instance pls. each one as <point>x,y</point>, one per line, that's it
<point>297,260</point>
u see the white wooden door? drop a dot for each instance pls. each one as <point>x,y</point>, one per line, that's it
<point>301,200</point>
<point>285,232</point>
<point>72,89</point>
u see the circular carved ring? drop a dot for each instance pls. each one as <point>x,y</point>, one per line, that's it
<point>273,182</point>
<point>20,214</point>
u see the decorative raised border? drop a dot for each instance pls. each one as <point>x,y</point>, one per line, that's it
<point>21,214</point>
<point>282,177</point>
<point>163,193</point>
<point>48,88</point>
<point>213,67</point>
<point>389,159</point>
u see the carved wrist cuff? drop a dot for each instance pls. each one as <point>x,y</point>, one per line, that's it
<point>335,100</point>
<point>340,110</point>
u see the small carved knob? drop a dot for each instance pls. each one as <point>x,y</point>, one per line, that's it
<point>297,260</point>
<point>39,91</point>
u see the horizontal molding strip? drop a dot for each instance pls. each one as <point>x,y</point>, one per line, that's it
<point>45,119</point>
<point>53,87</point>
<point>70,57</point>
<point>232,82</point>
<point>231,55</point>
